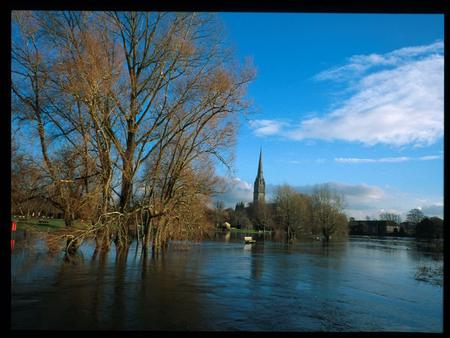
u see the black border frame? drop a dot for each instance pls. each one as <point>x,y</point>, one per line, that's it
<point>280,6</point>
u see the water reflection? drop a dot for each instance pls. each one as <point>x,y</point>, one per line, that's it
<point>361,284</point>
<point>257,262</point>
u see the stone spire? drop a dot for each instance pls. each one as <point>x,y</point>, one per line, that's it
<point>260,185</point>
<point>260,167</point>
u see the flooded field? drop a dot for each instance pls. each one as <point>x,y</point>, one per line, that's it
<point>361,284</point>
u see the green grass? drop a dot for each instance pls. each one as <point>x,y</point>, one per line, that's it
<point>248,231</point>
<point>42,225</point>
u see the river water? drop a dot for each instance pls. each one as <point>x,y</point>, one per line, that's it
<point>360,284</point>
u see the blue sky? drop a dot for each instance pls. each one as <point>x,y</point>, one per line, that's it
<point>353,100</point>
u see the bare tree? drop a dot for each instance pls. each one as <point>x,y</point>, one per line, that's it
<point>27,182</point>
<point>178,91</point>
<point>415,216</point>
<point>388,216</point>
<point>30,86</point>
<point>180,105</point>
<point>88,75</point>
<point>327,213</point>
<point>293,211</point>
<point>131,109</point>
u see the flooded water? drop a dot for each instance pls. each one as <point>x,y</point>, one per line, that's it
<point>361,284</point>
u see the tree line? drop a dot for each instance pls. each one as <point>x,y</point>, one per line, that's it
<point>126,116</point>
<point>416,224</point>
<point>292,214</point>
<point>296,215</point>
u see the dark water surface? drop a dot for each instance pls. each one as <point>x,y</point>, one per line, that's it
<point>361,284</point>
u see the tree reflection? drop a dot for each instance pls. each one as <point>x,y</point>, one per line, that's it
<point>119,305</point>
<point>98,297</point>
<point>257,261</point>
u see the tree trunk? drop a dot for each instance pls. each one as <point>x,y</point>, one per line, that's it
<point>68,218</point>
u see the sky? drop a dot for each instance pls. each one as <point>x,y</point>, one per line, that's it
<point>351,100</point>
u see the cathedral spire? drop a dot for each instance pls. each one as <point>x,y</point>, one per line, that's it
<point>260,166</point>
<point>259,186</point>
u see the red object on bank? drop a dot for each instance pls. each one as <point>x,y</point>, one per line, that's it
<point>13,231</point>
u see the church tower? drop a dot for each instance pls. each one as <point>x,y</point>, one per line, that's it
<point>260,186</point>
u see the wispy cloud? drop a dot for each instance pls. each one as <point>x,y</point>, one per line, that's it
<point>266,127</point>
<point>358,64</point>
<point>372,160</point>
<point>303,161</point>
<point>397,99</point>
<point>430,158</point>
<point>386,159</point>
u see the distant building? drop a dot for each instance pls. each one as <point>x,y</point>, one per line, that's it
<point>367,227</point>
<point>259,189</point>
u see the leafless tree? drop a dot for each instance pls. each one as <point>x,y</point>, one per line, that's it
<point>415,216</point>
<point>131,110</point>
<point>327,216</point>
<point>293,211</point>
<point>389,216</point>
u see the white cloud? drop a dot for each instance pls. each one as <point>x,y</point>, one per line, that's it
<point>237,190</point>
<point>354,160</point>
<point>436,210</point>
<point>358,64</point>
<point>397,107</point>
<point>352,192</point>
<point>266,127</point>
<point>303,161</point>
<point>430,158</point>
<point>397,99</point>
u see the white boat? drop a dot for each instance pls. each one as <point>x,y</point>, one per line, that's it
<point>249,239</point>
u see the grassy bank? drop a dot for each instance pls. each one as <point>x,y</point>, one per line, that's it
<point>43,225</point>
<point>248,231</point>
